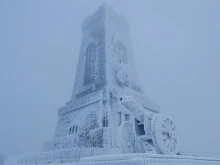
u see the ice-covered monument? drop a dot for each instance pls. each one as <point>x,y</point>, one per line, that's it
<point>107,92</point>
<point>109,119</point>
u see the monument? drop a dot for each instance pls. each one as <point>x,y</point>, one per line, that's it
<point>109,119</point>
<point>106,72</point>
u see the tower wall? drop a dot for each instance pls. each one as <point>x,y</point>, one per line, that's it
<point>93,29</point>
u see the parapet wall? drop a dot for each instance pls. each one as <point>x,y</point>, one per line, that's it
<point>147,159</point>
<point>57,156</point>
<point>103,156</point>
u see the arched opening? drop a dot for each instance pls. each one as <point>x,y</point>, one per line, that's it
<point>121,53</point>
<point>90,64</point>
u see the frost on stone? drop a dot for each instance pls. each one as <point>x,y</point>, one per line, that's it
<point>108,112</point>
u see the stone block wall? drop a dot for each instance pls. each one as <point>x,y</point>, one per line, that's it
<point>84,118</point>
<point>94,138</point>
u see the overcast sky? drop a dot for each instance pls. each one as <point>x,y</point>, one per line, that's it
<point>176,47</point>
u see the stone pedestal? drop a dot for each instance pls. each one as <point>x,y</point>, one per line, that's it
<point>147,159</point>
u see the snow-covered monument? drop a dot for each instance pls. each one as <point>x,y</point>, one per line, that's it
<point>109,119</point>
<point>106,72</point>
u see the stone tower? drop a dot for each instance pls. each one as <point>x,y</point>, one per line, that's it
<point>106,71</point>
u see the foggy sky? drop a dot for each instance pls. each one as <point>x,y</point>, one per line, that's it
<point>176,48</point>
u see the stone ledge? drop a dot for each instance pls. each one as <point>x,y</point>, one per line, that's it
<point>147,159</point>
<point>80,102</point>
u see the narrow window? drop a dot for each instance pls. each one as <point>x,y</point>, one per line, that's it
<point>105,121</point>
<point>76,129</point>
<point>73,129</point>
<point>70,130</point>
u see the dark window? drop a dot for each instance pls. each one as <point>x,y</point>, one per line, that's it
<point>76,129</point>
<point>105,121</point>
<point>127,117</point>
<point>73,129</point>
<point>70,130</point>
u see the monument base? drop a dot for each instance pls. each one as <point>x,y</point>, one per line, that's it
<point>147,159</point>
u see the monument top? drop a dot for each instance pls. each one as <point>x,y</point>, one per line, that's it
<point>104,12</point>
<point>106,57</point>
